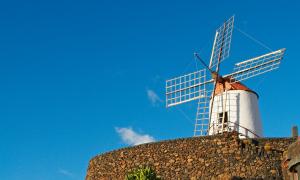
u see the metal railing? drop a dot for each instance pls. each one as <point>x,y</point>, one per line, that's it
<point>216,128</point>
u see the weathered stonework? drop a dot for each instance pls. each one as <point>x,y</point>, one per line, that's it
<point>291,162</point>
<point>211,157</point>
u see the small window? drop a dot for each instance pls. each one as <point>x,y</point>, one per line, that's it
<point>220,117</point>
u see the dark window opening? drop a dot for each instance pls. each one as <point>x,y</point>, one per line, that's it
<point>220,118</point>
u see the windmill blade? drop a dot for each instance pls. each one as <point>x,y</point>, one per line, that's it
<point>186,88</point>
<point>256,66</point>
<point>203,114</point>
<point>222,42</point>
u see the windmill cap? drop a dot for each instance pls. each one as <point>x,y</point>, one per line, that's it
<point>228,86</point>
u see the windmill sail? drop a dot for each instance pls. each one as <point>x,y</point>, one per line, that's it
<point>221,46</point>
<point>202,116</point>
<point>185,88</point>
<point>256,66</point>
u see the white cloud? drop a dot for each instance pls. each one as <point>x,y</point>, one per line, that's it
<point>65,172</point>
<point>131,137</point>
<point>153,97</point>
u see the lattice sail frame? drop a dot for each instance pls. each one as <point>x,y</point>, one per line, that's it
<point>202,117</point>
<point>222,43</point>
<point>185,88</point>
<point>256,66</point>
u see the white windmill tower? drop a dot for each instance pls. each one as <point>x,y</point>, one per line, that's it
<point>225,104</point>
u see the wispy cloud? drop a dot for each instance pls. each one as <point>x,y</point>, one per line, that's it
<point>65,172</point>
<point>130,137</point>
<point>153,98</point>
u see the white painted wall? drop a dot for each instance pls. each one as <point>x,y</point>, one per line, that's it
<point>243,113</point>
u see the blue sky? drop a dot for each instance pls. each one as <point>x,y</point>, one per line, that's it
<point>75,75</point>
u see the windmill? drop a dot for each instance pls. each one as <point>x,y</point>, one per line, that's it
<point>224,103</point>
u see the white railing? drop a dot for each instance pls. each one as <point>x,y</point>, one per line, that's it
<point>216,128</point>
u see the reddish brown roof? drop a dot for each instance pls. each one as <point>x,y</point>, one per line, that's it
<point>226,85</point>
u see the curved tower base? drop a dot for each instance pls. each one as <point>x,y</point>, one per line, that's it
<point>236,110</point>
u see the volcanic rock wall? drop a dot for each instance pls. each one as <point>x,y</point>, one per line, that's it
<point>211,157</point>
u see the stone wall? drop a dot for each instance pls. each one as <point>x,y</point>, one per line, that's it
<point>211,157</point>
